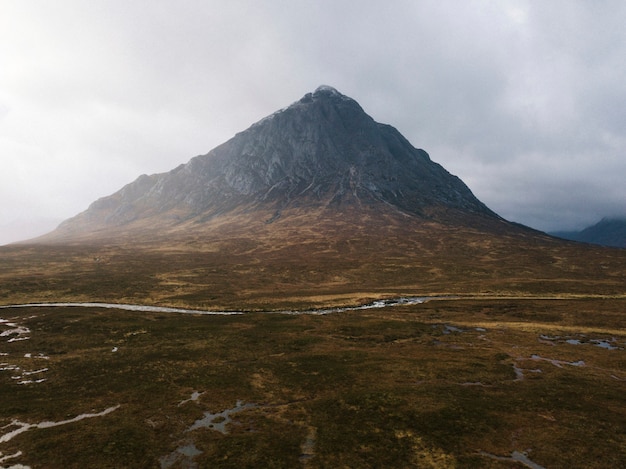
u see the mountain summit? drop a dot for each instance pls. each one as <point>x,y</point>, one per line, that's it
<point>322,150</point>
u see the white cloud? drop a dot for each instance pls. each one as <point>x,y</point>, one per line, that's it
<point>525,101</point>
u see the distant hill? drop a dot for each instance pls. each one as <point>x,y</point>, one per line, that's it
<point>607,232</point>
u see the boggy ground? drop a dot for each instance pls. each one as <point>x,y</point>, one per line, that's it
<point>484,381</point>
<point>448,383</point>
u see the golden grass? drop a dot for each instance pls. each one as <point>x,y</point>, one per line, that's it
<point>304,260</point>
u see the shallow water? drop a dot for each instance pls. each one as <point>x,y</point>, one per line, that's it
<point>413,300</point>
<point>558,363</point>
<point>24,427</point>
<point>194,397</point>
<point>519,373</point>
<point>516,456</point>
<point>219,421</point>
<point>602,343</point>
<point>182,457</point>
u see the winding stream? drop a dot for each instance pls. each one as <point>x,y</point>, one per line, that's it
<point>411,300</point>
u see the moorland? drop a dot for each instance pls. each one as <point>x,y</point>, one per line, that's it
<point>519,362</point>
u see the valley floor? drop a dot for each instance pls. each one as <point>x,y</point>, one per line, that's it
<point>481,382</point>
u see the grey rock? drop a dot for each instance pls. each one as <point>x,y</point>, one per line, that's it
<point>322,149</point>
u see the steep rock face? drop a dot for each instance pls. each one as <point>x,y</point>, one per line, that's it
<point>321,150</point>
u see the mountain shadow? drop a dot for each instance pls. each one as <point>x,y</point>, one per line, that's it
<point>607,232</point>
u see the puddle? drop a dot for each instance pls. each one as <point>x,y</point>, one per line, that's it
<point>516,456</point>
<point>558,363</point>
<point>15,333</point>
<point>38,356</point>
<point>17,339</point>
<point>602,343</point>
<point>17,454</point>
<point>28,373</point>
<point>22,427</point>
<point>17,427</point>
<point>19,330</point>
<point>7,367</point>
<point>194,397</point>
<point>182,457</point>
<point>31,381</point>
<point>219,421</point>
<point>519,372</point>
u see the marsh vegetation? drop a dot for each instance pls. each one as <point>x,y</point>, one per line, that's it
<point>528,360</point>
<point>449,383</point>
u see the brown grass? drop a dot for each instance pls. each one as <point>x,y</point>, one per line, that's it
<point>378,388</point>
<point>393,387</point>
<point>308,259</point>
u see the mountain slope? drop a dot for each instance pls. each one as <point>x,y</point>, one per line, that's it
<point>322,150</point>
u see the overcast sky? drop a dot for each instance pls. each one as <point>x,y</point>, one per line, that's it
<point>525,101</point>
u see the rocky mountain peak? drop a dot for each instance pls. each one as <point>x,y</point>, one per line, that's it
<point>322,150</point>
<point>327,91</point>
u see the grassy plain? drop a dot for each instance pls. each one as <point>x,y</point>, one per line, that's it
<point>449,383</point>
<point>529,359</point>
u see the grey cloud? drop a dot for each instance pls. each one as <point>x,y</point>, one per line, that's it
<point>525,101</point>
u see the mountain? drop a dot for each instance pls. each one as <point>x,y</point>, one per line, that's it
<point>607,232</point>
<point>317,204</point>
<point>322,150</point>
